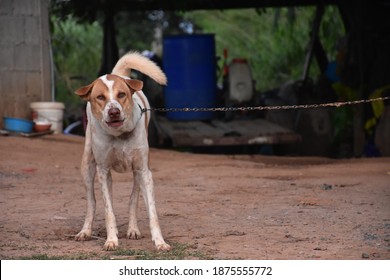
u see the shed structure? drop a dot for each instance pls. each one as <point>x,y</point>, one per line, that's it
<point>25,68</point>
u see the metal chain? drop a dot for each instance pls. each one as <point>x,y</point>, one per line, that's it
<point>262,108</point>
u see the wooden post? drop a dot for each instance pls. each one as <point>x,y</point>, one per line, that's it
<point>314,35</point>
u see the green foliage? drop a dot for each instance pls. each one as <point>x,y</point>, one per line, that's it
<point>134,31</point>
<point>275,41</point>
<point>76,52</point>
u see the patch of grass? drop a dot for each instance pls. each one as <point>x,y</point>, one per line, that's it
<point>81,256</point>
<point>178,252</point>
<point>19,246</point>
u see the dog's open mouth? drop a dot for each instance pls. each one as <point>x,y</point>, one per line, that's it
<point>115,123</point>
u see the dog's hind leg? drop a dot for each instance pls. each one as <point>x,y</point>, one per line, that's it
<point>145,180</point>
<point>133,231</point>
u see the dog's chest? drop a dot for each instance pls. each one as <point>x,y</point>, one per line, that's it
<point>121,159</point>
<point>117,155</point>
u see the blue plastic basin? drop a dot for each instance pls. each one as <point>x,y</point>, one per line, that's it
<point>17,125</point>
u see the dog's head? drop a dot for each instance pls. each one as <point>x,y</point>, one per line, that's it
<point>111,100</point>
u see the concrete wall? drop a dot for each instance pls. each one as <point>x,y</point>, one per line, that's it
<point>25,74</point>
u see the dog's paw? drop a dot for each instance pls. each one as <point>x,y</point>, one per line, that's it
<point>163,247</point>
<point>134,234</point>
<point>83,235</point>
<point>111,245</point>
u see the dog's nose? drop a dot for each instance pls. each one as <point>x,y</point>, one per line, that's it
<point>114,113</point>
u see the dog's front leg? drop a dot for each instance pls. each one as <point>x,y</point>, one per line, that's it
<point>133,231</point>
<point>88,171</point>
<point>104,176</point>
<point>144,179</point>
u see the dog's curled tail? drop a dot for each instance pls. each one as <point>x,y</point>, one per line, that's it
<point>135,60</point>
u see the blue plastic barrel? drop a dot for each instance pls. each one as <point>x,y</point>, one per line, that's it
<point>189,62</point>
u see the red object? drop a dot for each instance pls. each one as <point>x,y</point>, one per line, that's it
<point>29,170</point>
<point>39,127</point>
<point>240,60</point>
<point>225,66</point>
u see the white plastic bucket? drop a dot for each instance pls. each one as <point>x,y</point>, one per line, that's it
<point>49,111</point>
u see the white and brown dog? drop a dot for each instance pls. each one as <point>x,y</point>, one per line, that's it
<point>116,138</point>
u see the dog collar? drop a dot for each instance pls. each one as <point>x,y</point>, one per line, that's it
<point>143,110</point>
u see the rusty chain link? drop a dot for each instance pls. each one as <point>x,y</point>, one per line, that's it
<point>262,108</point>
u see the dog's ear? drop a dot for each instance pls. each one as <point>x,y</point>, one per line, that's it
<point>85,91</point>
<point>134,84</point>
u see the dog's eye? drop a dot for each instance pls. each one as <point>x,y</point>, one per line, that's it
<point>121,95</point>
<point>101,97</point>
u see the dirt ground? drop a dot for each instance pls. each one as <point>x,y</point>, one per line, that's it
<point>220,206</point>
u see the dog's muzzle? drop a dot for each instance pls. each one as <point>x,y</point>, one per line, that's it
<point>115,118</point>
